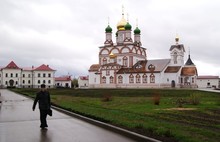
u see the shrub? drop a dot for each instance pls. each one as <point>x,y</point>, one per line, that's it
<point>194,98</point>
<point>156,98</point>
<point>106,98</point>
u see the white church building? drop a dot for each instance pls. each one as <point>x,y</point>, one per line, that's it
<point>124,64</point>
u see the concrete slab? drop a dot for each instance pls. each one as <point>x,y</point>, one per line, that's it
<point>18,123</point>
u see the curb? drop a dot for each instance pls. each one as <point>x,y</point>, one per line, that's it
<point>130,134</point>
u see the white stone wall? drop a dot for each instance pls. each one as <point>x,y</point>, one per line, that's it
<point>203,83</point>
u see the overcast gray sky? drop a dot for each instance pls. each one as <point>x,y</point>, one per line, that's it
<point>66,34</point>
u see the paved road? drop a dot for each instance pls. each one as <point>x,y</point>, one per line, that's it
<point>18,123</point>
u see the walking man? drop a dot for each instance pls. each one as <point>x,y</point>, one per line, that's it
<point>43,99</point>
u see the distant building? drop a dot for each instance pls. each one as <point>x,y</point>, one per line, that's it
<point>63,82</point>
<point>83,81</point>
<point>124,64</point>
<point>30,77</point>
<point>208,81</point>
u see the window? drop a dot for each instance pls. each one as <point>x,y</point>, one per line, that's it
<point>152,78</point>
<point>131,79</point>
<point>138,78</point>
<point>144,78</point>
<point>175,58</point>
<point>6,82</point>
<point>104,61</point>
<point>107,72</point>
<point>44,81</point>
<point>6,75</point>
<point>38,75</point>
<point>16,82</point>
<point>103,79</point>
<point>120,79</point>
<point>16,75</point>
<point>111,79</point>
<point>193,80</point>
<point>38,81</point>
<point>49,75</point>
<point>11,74</point>
<point>23,81</point>
<point>29,81</point>
<point>125,61</point>
<point>29,75</point>
<point>23,75</point>
<point>49,81</point>
<point>44,75</point>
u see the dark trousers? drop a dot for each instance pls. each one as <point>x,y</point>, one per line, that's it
<point>43,118</point>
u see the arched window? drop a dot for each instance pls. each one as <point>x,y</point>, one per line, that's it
<point>152,78</point>
<point>175,58</point>
<point>125,61</point>
<point>111,79</point>
<point>144,78</point>
<point>103,79</point>
<point>131,79</point>
<point>104,61</point>
<point>120,79</point>
<point>138,78</point>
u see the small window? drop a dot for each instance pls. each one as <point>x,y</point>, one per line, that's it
<point>38,81</point>
<point>23,75</point>
<point>44,75</point>
<point>11,74</point>
<point>49,75</point>
<point>23,81</point>
<point>38,75</point>
<point>6,75</point>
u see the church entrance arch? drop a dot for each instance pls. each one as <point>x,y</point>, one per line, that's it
<point>173,85</point>
<point>11,83</point>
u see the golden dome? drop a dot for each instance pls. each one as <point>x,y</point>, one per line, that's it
<point>111,55</point>
<point>177,39</point>
<point>121,24</point>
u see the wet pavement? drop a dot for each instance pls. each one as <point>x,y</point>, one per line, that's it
<point>18,123</point>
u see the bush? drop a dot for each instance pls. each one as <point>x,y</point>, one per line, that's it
<point>194,98</point>
<point>106,98</point>
<point>156,98</point>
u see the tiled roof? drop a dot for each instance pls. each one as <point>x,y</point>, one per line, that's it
<point>142,66</point>
<point>178,46</point>
<point>84,77</point>
<point>94,67</point>
<point>189,71</point>
<point>159,64</point>
<point>189,61</point>
<point>43,68</point>
<point>12,65</point>
<point>63,78</point>
<point>172,69</point>
<point>207,77</point>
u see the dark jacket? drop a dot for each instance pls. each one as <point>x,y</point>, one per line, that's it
<point>43,98</point>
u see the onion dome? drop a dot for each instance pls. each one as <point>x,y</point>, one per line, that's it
<point>121,24</point>
<point>128,26</point>
<point>108,29</point>
<point>177,39</point>
<point>116,34</point>
<point>111,55</point>
<point>137,31</point>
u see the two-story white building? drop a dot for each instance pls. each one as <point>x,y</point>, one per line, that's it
<point>30,77</point>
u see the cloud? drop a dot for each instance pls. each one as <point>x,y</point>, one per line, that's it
<point>67,34</point>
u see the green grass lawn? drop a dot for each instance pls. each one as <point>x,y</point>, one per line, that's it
<point>182,115</point>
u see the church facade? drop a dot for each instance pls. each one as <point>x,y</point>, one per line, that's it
<point>124,64</point>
